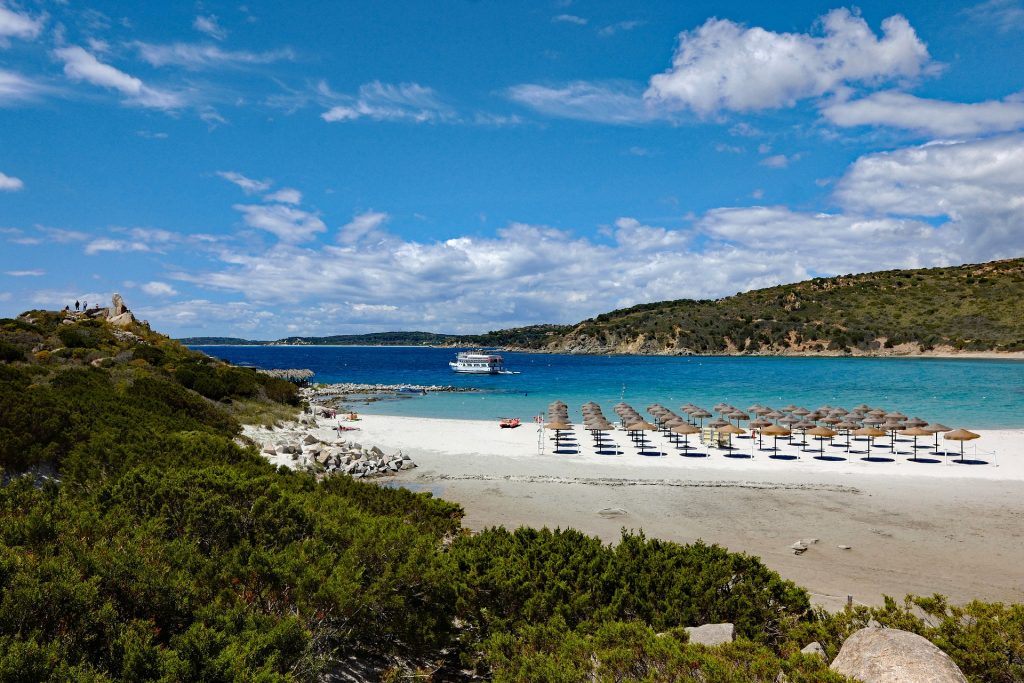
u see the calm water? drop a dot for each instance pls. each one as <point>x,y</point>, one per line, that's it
<point>982,394</point>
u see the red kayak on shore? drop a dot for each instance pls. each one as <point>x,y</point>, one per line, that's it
<point>509,423</point>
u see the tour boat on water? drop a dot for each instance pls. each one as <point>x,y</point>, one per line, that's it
<point>480,363</point>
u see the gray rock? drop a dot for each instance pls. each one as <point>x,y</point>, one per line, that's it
<point>269,449</point>
<point>815,648</point>
<point>889,655</point>
<point>310,439</point>
<point>711,634</point>
<point>376,451</point>
<point>843,547</point>
<point>117,305</point>
<point>123,320</point>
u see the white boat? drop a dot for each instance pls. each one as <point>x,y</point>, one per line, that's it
<point>480,363</point>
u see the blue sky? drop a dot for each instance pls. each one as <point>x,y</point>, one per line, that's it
<point>258,171</point>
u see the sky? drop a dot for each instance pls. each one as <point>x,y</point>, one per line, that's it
<point>267,169</point>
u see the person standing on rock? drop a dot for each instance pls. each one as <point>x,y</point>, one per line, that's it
<point>76,304</point>
<point>85,306</point>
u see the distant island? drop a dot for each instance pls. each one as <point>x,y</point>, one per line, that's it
<point>973,308</point>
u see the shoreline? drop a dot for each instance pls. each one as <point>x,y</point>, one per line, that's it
<point>900,519</point>
<point>946,355</point>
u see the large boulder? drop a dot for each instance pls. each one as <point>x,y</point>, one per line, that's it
<point>123,320</point>
<point>889,655</point>
<point>117,306</point>
<point>711,634</point>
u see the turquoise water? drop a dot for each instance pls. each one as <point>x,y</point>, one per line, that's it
<point>982,394</point>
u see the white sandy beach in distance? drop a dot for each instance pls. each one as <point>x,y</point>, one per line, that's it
<point>911,527</point>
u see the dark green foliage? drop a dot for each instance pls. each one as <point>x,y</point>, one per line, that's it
<point>10,353</point>
<point>631,651</point>
<point>986,640</point>
<point>515,578</point>
<point>973,307</point>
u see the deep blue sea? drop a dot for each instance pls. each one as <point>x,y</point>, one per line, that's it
<point>982,394</point>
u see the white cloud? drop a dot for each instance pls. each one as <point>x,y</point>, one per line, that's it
<point>1004,15</point>
<point>388,102</point>
<point>17,25</point>
<point>932,117</point>
<point>288,223</point>
<point>779,160</point>
<point>725,66</point>
<point>611,102</point>
<point>286,195</point>
<point>103,244</point>
<point>209,26</point>
<point>365,226</point>
<point>156,288</point>
<point>10,183</point>
<point>80,65</point>
<point>62,236</point>
<point>569,19</point>
<point>200,56</point>
<point>16,88</point>
<point>248,185</point>
<point>931,205</point>
<point>977,185</point>
<point>25,273</point>
<point>618,27</point>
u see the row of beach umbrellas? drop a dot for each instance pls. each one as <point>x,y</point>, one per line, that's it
<point>825,422</point>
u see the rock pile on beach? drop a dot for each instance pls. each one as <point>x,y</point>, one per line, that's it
<point>353,388</point>
<point>300,448</point>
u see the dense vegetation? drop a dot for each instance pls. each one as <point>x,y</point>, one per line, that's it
<point>144,541</point>
<point>370,339</point>
<point>972,307</point>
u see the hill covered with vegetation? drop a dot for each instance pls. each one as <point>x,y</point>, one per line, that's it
<point>369,339</point>
<point>963,308</point>
<point>141,539</point>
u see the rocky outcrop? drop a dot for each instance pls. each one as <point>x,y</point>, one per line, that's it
<point>711,634</point>
<point>889,655</point>
<point>300,446</point>
<point>117,306</point>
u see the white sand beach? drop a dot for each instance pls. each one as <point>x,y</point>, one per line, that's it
<point>911,527</point>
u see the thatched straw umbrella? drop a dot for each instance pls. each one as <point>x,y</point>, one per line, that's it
<point>685,430</point>
<point>776,431</point>
<point>960,435</point>
<point>700,414</point>
<point>731,429</point>
<point>760,425</point>
<point>824,433</point>
<point>847,426</point>
<point>870,432</point>
<point>935,428</point>
<point>914,432</point>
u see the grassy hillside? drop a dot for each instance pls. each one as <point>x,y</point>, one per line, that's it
<point>140,540</point>
<point>972,307</point>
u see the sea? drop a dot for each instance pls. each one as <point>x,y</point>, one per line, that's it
<point>970,393</point>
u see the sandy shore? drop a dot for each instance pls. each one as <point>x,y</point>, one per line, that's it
<point>912,527</point>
